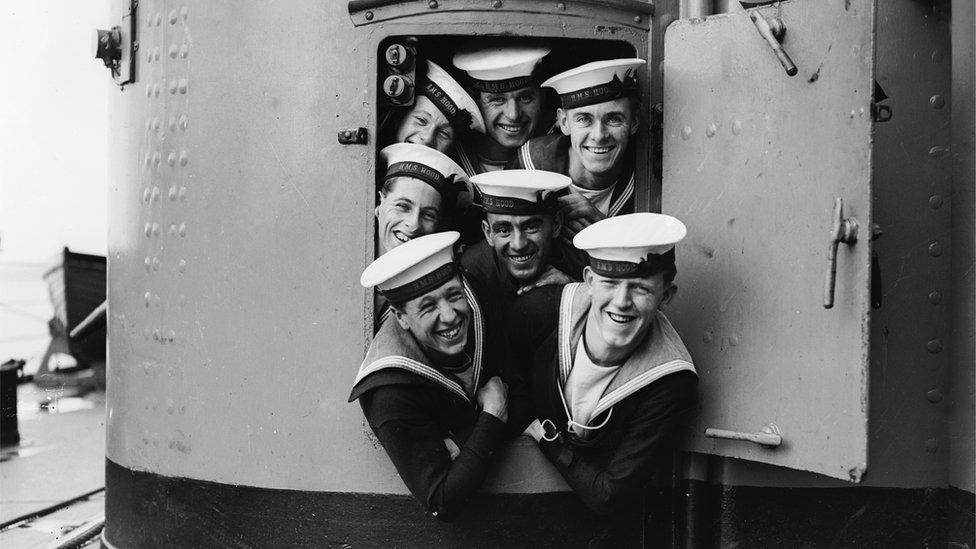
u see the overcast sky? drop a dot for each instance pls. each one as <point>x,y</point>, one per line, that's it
<point>53,129</point>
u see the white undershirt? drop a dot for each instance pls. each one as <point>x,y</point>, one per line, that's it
<point>586,384</point>
<point>599,199</point>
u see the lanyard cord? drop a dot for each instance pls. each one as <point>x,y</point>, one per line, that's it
<point>570,423</point>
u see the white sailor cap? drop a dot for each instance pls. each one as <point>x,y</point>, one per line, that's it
<point>413,268</point>
<point>596,82</point>
<point>631,245</point>
<point>428,165</point>
<point>502,68</point>
<point>451,99</point>
<point>519,192</point>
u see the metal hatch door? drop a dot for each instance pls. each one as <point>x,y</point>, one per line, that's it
<point>756,163</point>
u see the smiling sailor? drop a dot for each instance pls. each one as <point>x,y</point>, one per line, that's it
<point>420,192</point>
<point>432,385</point>
<point>442,113</point>
<point>611,379</point>
<point>502,83</point>
<point>520,226</point>
<point>598,117</point>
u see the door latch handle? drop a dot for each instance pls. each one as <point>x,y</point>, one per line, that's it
<point>769,435</point>
<point>773,31</point>
<point>841,230</point>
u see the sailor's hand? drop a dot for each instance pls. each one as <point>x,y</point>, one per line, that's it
<point>578,213</point>
<point>534,430</point>
<point>551,277</point>
<point>493,398</point>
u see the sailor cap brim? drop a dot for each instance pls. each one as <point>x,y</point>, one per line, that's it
<point>413,268</point>
<point>632,238</point>
<point>451,99</point>
<point>596,82</point>
<point>518,192</point>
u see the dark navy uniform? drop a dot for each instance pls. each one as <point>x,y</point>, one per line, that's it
<point>413,404</point>
<point>643,407</point>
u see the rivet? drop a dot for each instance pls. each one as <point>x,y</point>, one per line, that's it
<point>938,151</point>
<point>173,50</point>
<point>171,159</point>
<point>496,4</point>
<point>172,17</point>
<point>937,101</point>
<point>156,90</point>
<point>184,12</point>
<point>734,339</point>
<point>155,229</point>
<point>148,298</point>
<point>172,337</point>
<point>155,263</point>
<point>182,194</point>
<point>148,125</point>
<point>184,51</point>
<point>155,123</point>
<point>935,201</point>
<point>935,297</point>
<point>183,122</point>
<point>172,124</point>
<point>148,229</point>
<point>148,263</point>
<point>159,19</point>
<point>637,19</point>
<point>686,133</point>
<point>931,445</point>
<point>148,90</point>
<point>146,195</point>
<point>172,192</point>
<point>170,405</point>
<point>711,129</point>
<point>432,4</point>
<point>172,229</point>
<point>155,54</point>
<point>149,21</point>
<point>934,396</point>
<point>561,6</point>
<point>707,336</point>
<point>183,84</point>
<point>937,56</point>
<point>172,86</point>
<point>182,229</point>
<point>155,194</point>
<point>935,249</point>
<point>182,266</point>
<point>369,16</point>
<point>736,127</point>
<point>934,346</point>
<point>184,157</point>
<point>346,134</point>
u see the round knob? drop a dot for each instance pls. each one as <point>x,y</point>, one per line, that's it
<point>397,55</point>
<point>397,87</point>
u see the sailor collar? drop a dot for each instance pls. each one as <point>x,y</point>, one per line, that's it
<point>661,354</point>
<point>393,348</point>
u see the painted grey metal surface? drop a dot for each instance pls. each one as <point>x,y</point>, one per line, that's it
<point>753,162</point>
<point>239,227</point>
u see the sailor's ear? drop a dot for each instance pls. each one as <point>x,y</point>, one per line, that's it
<point>485,228</point>
<point>562,118</point>
<point>557,224</point>
<point>379,201</point>
<point>588,278</point>
<point>401,317</point>
<point>668,295</point>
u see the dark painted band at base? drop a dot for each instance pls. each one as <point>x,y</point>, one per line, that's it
<point>150,510</point>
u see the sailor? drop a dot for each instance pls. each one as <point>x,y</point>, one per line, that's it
<point>598,116</point>
<point>420,190</point>
<point>442,113</point>
<point>432,385</point>
<point>520,225</point>
<point>501,81</point>
<point>611,379</point>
